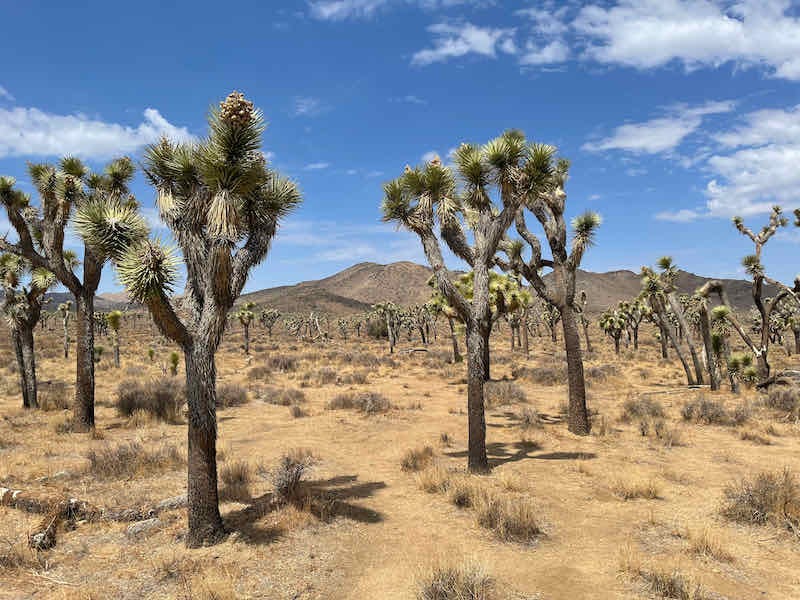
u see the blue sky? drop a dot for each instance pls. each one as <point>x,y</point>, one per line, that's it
<point>676,114</point>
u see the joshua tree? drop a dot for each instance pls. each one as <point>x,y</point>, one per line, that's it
<point>246,315</point>
<point>114,321</point>
<point>223,205</point>
<point>391,314</point>
<point>268,318</point>
<point>655,293</point>
<point>754,267</point>
<point>580,308</point>
<point>634,313</point>
<point>427,195</point>
<point>548,207</point>
<point>22,307</point>
<point>613,324</point>
<point>440,305</point>
<point>107,219</point>
<point>174,359</point>
<point>65,310</point>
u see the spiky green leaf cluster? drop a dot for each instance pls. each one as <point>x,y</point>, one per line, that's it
<point>109,227</point>
<point>148,269</point>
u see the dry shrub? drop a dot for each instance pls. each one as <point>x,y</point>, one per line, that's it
<point>259,372</point>
<point>769,497</point>
<point>161,398</point>
<point>368,403</point>
<point>296,412</point>
<point>416,459</point>
<point>291,469</point>
<point>784,399</point>
<point>445,439</point>
<point>529,418</point>
<point>498,393</point>
<point>713,412</point>
<point>231,394</point>
<point>353,378</point>
<point>546,375</point>
<point>641,408</point>
<point>236,477</point>
<point>17,556</point>
<point>140,419</point>
<point>510,519</point>
<point>469,581</point>
<point>282,396</point>
<point>53,395</point>
<point>282,364</point>
<point>660,430</point>
<point>132,459</point>
<point>601,373</point>
<point>663,581</point>
<point>462,492</point>
<point>755,436</point>
<point>634,489</point>
<point>325,376</point>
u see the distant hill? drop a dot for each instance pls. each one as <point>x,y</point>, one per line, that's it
<point>358,287</point>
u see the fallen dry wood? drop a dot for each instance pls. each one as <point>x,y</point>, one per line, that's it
<point>58,510</point>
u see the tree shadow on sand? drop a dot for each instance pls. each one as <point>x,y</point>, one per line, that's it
<point>500,453</point>
<point>326,499</point>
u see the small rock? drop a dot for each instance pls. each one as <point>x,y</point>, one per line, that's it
<point>171,503</point>
<point>142,527</point>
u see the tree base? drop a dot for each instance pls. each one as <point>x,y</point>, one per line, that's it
<point>209,535</point>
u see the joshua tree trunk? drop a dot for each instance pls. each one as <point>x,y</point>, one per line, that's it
<point>585,325</point>
<point>578,415</point>
<point>205,522</point>
<point>26,362</point>
<point>83,409</point>
<point>524,326</point>
<point>687,334</point>
<point>676,345</point>
<point>246,334</point>
<point>705,329</point>
<point>66,337</point>
<point>115,344</point>
<point>796,333</point>
<point>663,339</point>
<point>456,354</point>
<point>635,329</point>
<point>486,360</point>
<point>476,461</point>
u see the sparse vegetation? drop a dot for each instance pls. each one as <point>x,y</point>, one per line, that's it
<point>768,497</point>
<point>469,581</point>
<point>369,403</point>
<point>132,459</point>
<point>160,398</point>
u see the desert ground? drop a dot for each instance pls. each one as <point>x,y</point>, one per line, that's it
<point>635,510</point>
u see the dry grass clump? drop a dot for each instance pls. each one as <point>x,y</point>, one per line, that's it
<point>641,408</point>
<point>231,394</point>
<point>469,581</point>
<point>784,399</point>
<point>296,412</point>
<point>660,430</point>
<point>498,393</point>
<point>416,459</point>
<point>545,375</point>
<point>53,395</point>
<point>132,459</point>
<point>352,378</point>
<point>236,477</point>
<point>769,497</point>
<point>162,399</point>
<point>462,492</point>
<point>636,488</point>
<point>323,376</point>
<point>664,581</point>
<point>282,396</point>
<point>705,542</point>
<point>18,556</point>
<point>755,436</point>
<point>510,519</point>
<point>368,403</point>
<point>600,373</point>
<point>435,479</point>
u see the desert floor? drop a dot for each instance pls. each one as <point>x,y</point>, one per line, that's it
<point>374,531</point>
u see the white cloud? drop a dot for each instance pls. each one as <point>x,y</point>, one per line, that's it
<point>429,156</point>
<point>554,52</point>
<point>33,132</point>
<point>683,215</point>
<point>763,127</point>
<point>662,134</point>
<point>5,94</point>
<point>307,106</point>
<point>646,34</point>
<point>316,166</point>
<point>341,10</point>
<point>454,41</point>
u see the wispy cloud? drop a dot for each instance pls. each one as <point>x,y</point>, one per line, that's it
<point>683,215</point>
<point>662,134</point>
<point>5,94</point>
<point>308,106</point>
<point>457,40</point>
<point>316,166</point>
<point>33,132</point>
<point>409,99</point>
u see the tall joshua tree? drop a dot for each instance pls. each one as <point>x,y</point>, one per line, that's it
<point>65,310</point>
<point>223,206</point>
<point>22,307</point>
<point>246,315</point>
<point>268,318</point>
<point>425,198</point>
<point>107,219</point>
<point>114,322</point>
<point>755,268</point>
<point>548,206</point>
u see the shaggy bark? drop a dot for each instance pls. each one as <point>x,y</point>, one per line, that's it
<point>578,414</point>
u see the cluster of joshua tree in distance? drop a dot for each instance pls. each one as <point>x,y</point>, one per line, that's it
<point>223,206</point>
